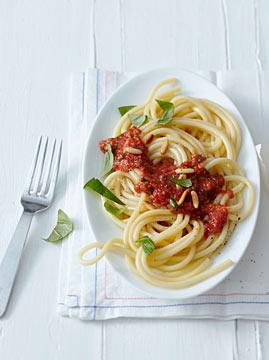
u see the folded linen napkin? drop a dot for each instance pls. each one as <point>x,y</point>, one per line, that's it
<point>97,292</point>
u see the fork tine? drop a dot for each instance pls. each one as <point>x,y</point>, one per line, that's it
<point>48,172</point>
<point>39,171</point>
<point>55,171</point>
<point>33,166</point>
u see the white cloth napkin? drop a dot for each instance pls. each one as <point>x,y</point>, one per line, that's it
<point>97,292</point>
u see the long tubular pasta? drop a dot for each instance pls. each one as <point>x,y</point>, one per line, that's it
<point>183,254</point>
<point>211,129</point>
<point>114,244</point>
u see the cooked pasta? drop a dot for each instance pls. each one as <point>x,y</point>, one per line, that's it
<point>179,186</point>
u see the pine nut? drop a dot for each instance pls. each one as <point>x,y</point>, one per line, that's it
<point>185,171</point>
<point>182,198</point>
<point>132,150</point>
<point>195,199</point>
<point>164,146</point>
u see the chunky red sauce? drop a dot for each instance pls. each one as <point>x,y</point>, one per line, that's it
<point>156,180</point>
<point>123,160</point>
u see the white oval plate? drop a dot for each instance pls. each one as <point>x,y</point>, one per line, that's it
<point>135,91</point>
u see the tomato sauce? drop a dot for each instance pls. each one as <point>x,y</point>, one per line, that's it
<point>156,181</point>
<point>123,160</point>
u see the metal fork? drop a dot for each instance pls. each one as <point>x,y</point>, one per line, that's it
<point>37,196</point>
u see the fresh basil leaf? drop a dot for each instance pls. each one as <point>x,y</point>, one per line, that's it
<point>165,105</point>
<point>96,185</point>
<point>173,203</point>
<point>167,116</point>
<point>147,244</point>
<point>182,182</point>
<point>168,112</point>
<point>108,161</point>
<point>124,109</point>
<point>138,120</point>
<point>63,227</point>
<point>113,210</point>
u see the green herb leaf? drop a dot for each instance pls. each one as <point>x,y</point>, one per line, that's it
<point>124,109</point>
<point>147,244</point>
<point>96,185</point>
<point>165,105</point>
<point>108,160</point>
<point>63,227</point>
<point>138,120</point>
<point>113,210</point>
<point>173,203</point>
<point>166,117</point>
<point>182,182</point>
<point>168,112</point>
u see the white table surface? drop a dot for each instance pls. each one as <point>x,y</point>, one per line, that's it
<point>41,43</point>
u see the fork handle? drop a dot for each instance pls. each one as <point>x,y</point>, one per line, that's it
<point>11,260</point>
